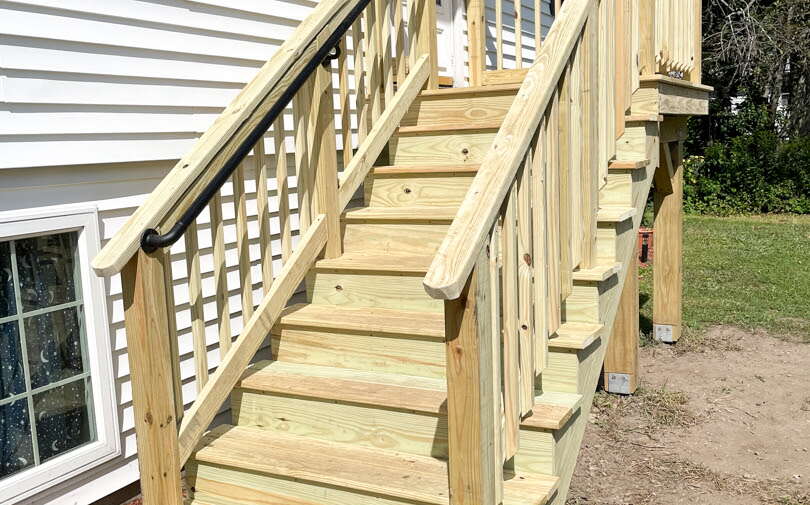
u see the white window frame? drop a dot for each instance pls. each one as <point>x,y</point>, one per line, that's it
<point>84,220</point>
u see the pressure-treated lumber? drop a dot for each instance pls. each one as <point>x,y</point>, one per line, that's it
<point>474,460</point>
<point>370,321</point>
<point>193,172</point>
<point>329,464</point>
<point>215,392</point>
<point>573,335</point>
<point>422,214</point>
<point>668,225</point>
<point>476,33</point>
<point>552,410</point>
<point>146,321</point>
<point>324,155</point>
<point>456,256</point>
<point>621,367</point>
<point>354,174</point>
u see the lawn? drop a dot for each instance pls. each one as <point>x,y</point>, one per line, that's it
<point>752,272</point>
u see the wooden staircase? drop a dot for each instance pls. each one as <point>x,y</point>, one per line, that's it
<point>352,406</point>
<point>462,272</point>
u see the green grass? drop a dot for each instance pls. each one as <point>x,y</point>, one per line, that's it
<point>752,272</point>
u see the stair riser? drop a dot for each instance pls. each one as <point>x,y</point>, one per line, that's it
<point>216,485</point>
<point>564,373</point>
<point>394,237</point>
<point>386,290</point>
<point>607,236</point>
<point>459,110</point>
<point>415,433</point>
<point>417,190</point>
<point>387,354</point>
<point>440,148</point>
<point>618,190</point>
<point>638,142</point>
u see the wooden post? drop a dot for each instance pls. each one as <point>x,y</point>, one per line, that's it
<point>324,157</point>
<point>476,34</point>
<point>474,449</point>
<point>147,326</point>
<point>668,268</point>
<point>422,27</point>
<point>646,49</point>
<point>696,74</point>
<point>621,360</point>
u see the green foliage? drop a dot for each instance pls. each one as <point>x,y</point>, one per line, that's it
<point>749,169</point>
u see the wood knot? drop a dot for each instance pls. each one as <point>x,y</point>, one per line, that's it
<point>407,191</point>
<point>339,288</point>
<point>527,259</point>
<point>148,418</point>
<point>524,327</point>
<point>465,151</point>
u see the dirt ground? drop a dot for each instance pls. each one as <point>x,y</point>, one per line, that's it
<point>722,418</point>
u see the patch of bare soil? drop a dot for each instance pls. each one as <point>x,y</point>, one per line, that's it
<point>722,418</point>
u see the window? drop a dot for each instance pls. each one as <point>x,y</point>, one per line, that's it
<point>57,413</point>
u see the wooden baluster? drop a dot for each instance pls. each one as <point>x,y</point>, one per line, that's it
<point>262,196</point>
<point>324,158</point>
<point>525,285</point>
<point>622,55</point>
<point>476,35</point>
<point>243,242</point>
<point>499,34</point>
<point>149,351</point>
<point>474,462</point>
<point>174,345</point>
<point>220,274</point>
<point>345,104</point>
<point>494,339</point>
<point>590,153</point>
<point>302,103</point>
<point>576,132</point>
<point>518,33</point>
<point>373,60</point>
<point>565,198</point>
<point>361,103</point>
<point>511,323</point>
<point>540,236</point>
<point>384,14</point>
<point>282,188</point>
<point>196,305</point>
<point>422,25</point>
<point>553,219</point>
<point>696,71</point>
<point>399,48</point>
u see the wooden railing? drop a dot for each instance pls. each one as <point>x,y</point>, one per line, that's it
<point>168,426</point>
<point>671,38</point>
<point>527,223</point>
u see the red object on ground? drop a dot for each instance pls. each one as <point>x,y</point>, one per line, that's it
<point>645,246</point>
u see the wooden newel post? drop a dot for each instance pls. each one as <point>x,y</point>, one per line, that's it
<point>147,326</point>
<point>621,360</point>
<point>476,34</point>
<point>474,463</point>
<point>422,25</point>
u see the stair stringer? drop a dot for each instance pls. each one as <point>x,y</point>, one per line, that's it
<point>591,359</point>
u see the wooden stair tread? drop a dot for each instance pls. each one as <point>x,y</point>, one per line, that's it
<point>552,410</point>
<point>368,320</point>
<point>615,214</point>
<point>387,473</point>
<point>469,126</point>
<point>598,273</point>
<point>472,90</point>
<point>641,118</point>
<point>424,169</point>
<point>407,263</point>
<point>385,390</point>
<point>423,214</point>
<point>628,164</point>
<point>573,335</point>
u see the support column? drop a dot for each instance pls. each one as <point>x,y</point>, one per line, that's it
<point>668,265</point>
<point>621,359</point>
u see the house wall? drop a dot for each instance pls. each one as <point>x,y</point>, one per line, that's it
<point>98,99</point>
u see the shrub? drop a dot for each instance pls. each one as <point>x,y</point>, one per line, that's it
<point>752,170</point>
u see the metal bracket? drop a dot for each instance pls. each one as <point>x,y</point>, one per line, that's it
<point>335,54</point>
<point>663,333</point>
<point>619,383</point>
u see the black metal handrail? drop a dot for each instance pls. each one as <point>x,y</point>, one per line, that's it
<point>151,239</point>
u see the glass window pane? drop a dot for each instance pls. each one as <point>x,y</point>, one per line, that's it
<point>16,451</point>
<point>12,375</point>
<point>63,419</point>
<point>54,346</point>
<point>45,266</point>
<point>8,303</point>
